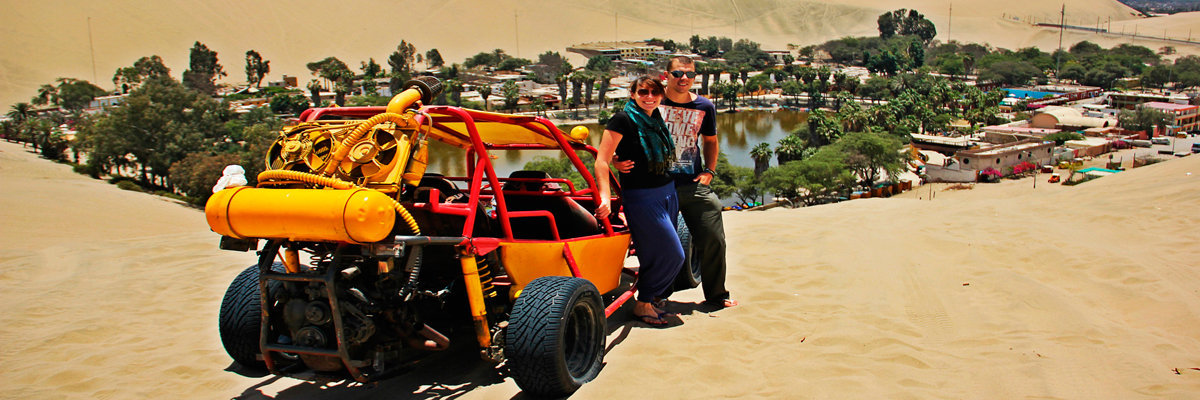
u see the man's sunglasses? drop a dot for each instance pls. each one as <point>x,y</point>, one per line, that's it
<point>680,74</point>
<point>643,92</point>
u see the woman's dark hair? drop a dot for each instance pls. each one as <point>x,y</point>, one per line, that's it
<point>646,80</point>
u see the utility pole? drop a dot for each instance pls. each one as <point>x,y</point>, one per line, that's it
<point>92,46</point>
<point>950,23</point>
<point>517,33</point>
<point>1062,17</point>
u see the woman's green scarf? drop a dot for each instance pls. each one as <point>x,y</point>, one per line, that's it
<point>652,132</point>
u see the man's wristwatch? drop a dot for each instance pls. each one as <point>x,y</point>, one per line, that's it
<point>710,171</point>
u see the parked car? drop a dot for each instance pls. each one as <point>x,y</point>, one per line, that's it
<point>1196,147</point>
<point>1160,140</point>
<point>1140,143</point>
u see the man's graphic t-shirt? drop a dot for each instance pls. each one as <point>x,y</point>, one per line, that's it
<point>686,122</point>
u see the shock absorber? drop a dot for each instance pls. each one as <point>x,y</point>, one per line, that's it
<point>485,276</point>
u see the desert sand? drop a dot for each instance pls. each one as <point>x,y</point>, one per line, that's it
<point>1003,291</point>
<point>45,40</point>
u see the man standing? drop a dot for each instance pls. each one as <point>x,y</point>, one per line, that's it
<point>692,122</point>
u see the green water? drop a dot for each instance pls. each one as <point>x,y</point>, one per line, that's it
<point>739,133</point>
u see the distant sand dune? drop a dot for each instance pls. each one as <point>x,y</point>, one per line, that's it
<point>50,39</point>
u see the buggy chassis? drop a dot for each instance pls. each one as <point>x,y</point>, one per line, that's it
<point>370,263</point>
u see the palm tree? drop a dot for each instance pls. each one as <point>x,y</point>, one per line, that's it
<point>20,114</point>
<point>762,158</point>
<point>561,80</point>
<point>484,92</point>
<point>455,87</point>
<point>605,78</point>
<point>46,95</point>
<point>589,83</point>
<point>577,78</point>
<point>314,90</point>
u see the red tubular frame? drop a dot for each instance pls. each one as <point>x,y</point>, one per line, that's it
<point>478,167</point>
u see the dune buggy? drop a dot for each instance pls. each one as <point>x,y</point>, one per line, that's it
<point>368,262</point>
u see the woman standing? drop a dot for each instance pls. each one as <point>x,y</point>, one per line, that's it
<point>638,133</point>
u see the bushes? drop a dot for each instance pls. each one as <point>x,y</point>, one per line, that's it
<point>130,185</point>
<point>196,174</point>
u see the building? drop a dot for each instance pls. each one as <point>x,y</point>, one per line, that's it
<point>1067,119</point>
<point>617,50</point>
<point>1186,117</point>
<point>1128,100</point>
<point>966,165</point>
<point>780,56</point>
<point>1006,155</point>
<point>1014,133</point>
<point>102,102</point>
<point>287,82</point>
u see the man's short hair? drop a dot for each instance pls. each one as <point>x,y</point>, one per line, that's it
<point>679,60</point>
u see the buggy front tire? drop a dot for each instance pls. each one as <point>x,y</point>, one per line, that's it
<point>240,318</point>
<point>555,338</point>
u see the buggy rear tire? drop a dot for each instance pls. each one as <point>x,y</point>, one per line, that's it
<point>240,318</point>
<point>689,275</point>
<point>555,338</point>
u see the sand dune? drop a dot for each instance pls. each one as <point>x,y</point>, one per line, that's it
<point>50,39</point>
<point>1004,291</point>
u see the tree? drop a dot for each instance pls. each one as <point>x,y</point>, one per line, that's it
<point>484,91</point>
<point>868,154</point>
<point>195,174</point>
<point>823,128</point>
<point>401,62</point>
<point>433,59</point>
<point>144,68</point>
<point>285,103</point>
<point>21,114</point>
<point>337,73</point>
<point>157,125</point>
<point>906,22</point>
<point>793,89</point>
<point>728,91</point>
<point>511,93</point>
<point>790,148</point>
<point>314,92</point>
<point>1143,119</point>
<point>203,70</point>
<point>256,68</point>
<point>601,67</point>
<point>1010,72</point>
<point>761,154</point>
<point>75,95</point>
<point>558,168</point>
<point>371,71</point>
<point>513,64</point>
<point>46,94</point>
<point>1156,76</point>
<point>455,87</point>
<point>805,180</point>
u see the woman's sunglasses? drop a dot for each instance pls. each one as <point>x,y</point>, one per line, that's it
<point>680,74</point>
<point>643,92</point>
